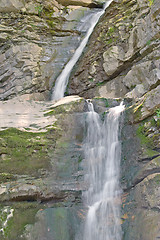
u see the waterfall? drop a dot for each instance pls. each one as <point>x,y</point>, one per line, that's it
<point>102,155</point>
<point>62,80</point>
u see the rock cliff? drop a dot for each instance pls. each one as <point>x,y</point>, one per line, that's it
<point>126,57</point>
<point>41,156</point>
<point>33,39</point>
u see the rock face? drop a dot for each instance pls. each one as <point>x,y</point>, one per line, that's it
<point>36,166</point>
<point>139,177</point>
<point>33,39</point>
<point>41,155</point>
<point>126,56</point>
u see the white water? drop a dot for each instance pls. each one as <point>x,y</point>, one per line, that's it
<point>102,155</point>
<point>62,80</point>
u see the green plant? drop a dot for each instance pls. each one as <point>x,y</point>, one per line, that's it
<point>148,42</point>
<point>158,112</point>
<point>142,134</point>
<point>151,2</point>
<point>90,79</point>
<point>39,8</point>
<point>111,30</point>
<point>109,41</point>
<point>99,84</point>
<point>65,10</point>
<point>131,26</point>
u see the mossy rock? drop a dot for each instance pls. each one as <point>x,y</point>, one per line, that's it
<point>25,153</point>
<point>21,214</point>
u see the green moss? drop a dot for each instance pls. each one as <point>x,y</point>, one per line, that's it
<point>141,133</point>
<point>51,23</point>
<point>99,84</point>
<point>5,177</point>
<point>148,42</point>
<point>50,113</point>
<point>24,213</point>
<point>138,114</point>
<point>25,152</point>
<point>48,13</point>
<point>106,102</point>
<point>109,41</point>
<point>64,109</point>
<point>58,110</point>
<point>111,30</point>
<point>130,26</point>
<point>150,152</point>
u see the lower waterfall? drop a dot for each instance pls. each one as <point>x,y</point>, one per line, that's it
<point>102,155</point>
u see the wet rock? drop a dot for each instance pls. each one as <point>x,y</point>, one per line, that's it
<point>64,224</point>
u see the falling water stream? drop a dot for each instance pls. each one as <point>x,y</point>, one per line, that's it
<point>102,154</point>
<point>62,80</point>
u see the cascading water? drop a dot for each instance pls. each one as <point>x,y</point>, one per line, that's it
<point>102,154</point>
<point>62,80</point>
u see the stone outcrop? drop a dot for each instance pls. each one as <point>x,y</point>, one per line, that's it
<point>16,5</point>
<point>126,56</point>
<point>84,3</point>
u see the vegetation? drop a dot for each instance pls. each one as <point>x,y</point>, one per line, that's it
<point>23,214</point>
<point>158,112</point>
<point>23,152</point>
<point>142,134</point>
<point>39,9</point>
<point>151,2</point>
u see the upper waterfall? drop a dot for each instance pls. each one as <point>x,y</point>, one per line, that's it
<point>62,80</point>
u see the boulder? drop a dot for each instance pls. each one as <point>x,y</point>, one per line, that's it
<point>113,59</point>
